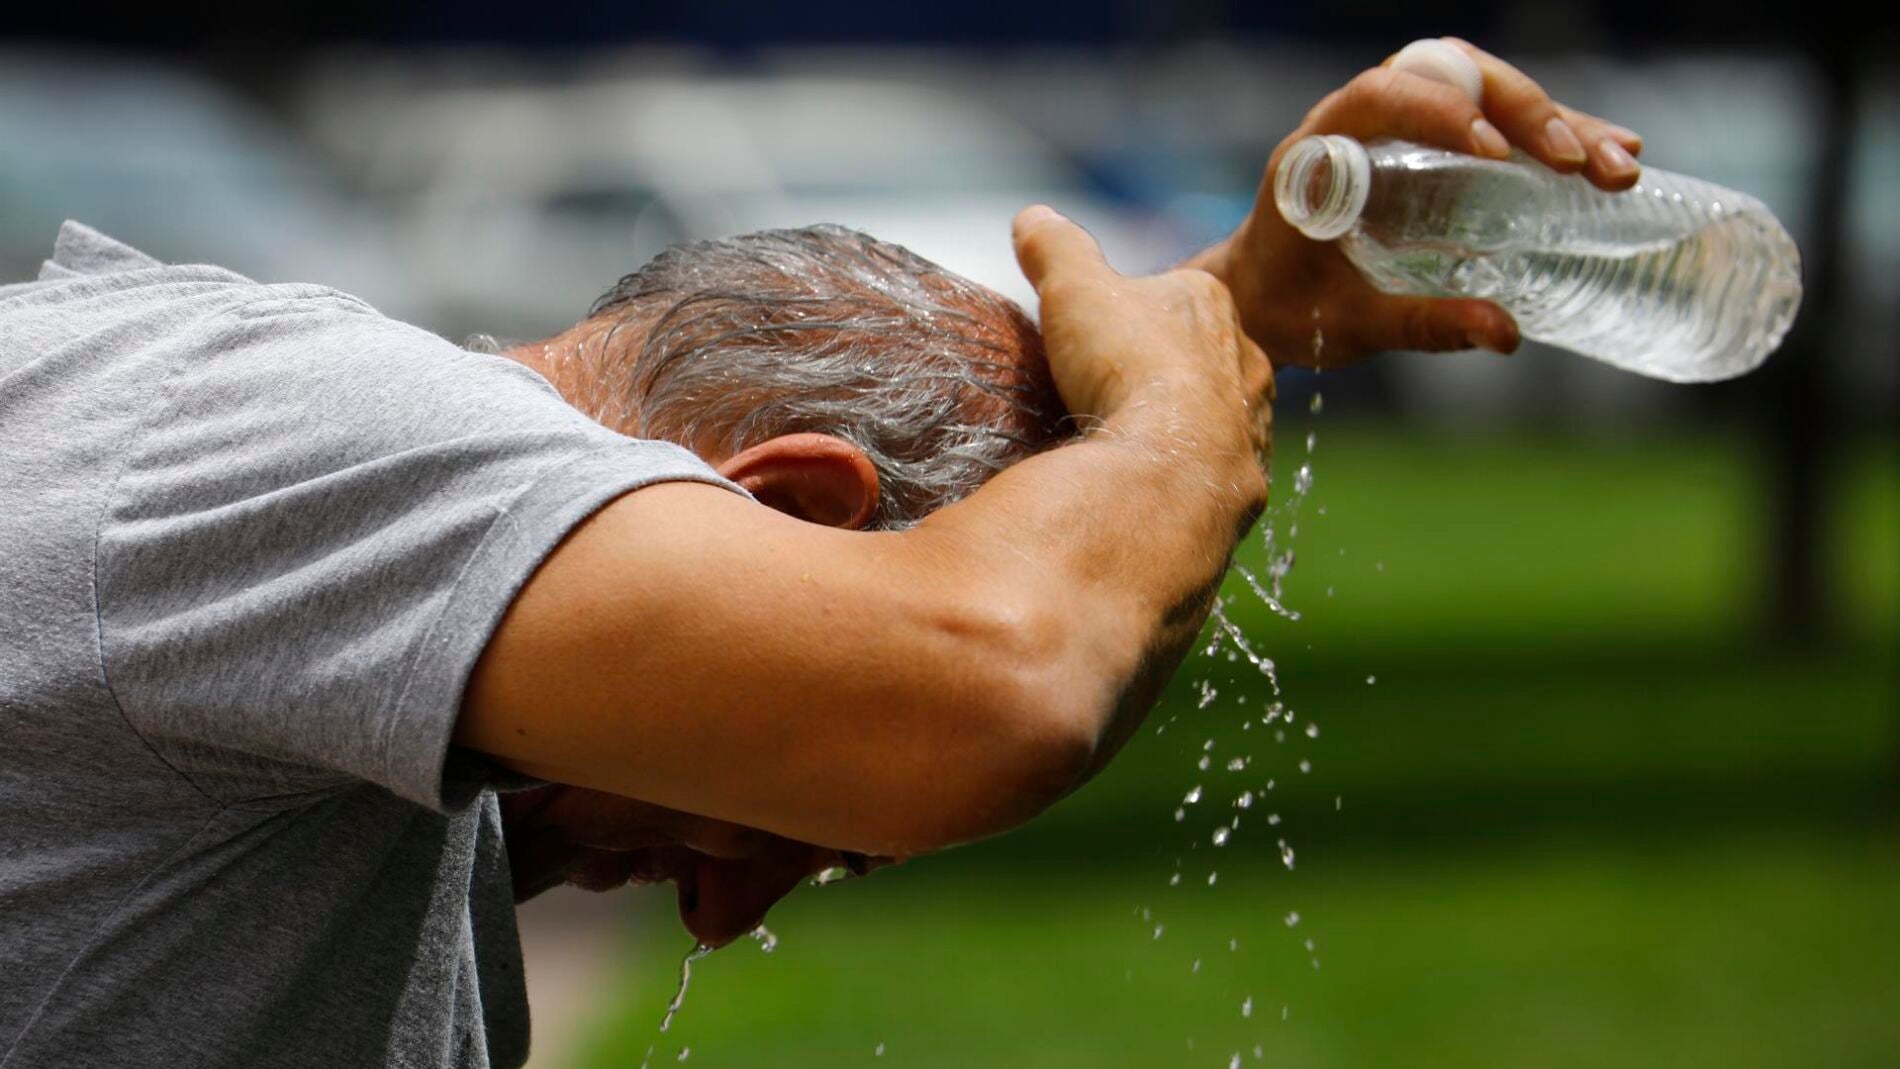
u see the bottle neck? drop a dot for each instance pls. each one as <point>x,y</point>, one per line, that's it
<point>1322,185</point>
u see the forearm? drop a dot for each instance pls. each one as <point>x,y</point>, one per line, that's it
<point>1127,533</point>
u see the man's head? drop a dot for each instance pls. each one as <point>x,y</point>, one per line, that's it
<point>835,376</point>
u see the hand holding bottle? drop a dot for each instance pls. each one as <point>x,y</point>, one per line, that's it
<point>1279,277</point>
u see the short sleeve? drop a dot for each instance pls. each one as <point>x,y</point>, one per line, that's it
<point>317,529</point>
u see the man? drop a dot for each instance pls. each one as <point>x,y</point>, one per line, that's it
<point>291,590</point>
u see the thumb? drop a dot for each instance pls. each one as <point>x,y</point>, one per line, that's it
<point>1444,324</point>
<point>1048,244</point>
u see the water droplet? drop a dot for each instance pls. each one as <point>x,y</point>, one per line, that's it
<point>1372,680</point>
<point>1180,814</point>
<point>1234,1062</point>
<point>1305,766</point>
<point>1273,712</point>
<point>1159,928</point>
<point>699,951</point>
<point>1258,1053</point>
<point>1286,855</point>
<point>1312,731</point>
<point>1233,945</point>
<point>1293,919</point>
<point>1236,764</point>
<point>1273,818</point>
<point>1339,800</point>
<point>1312,439</point>
<point>1194,968</point>
<point>1211,877</point>
<point>1378,565</point>
<point>1309,946</point>
<point>1267,597</point>
<point>1193,796</point>
<point>1174,880</point>
<point>830,875</point>
<point>685,1053</point>
<point>1284,1010</point>
<point>1245,801</point>
<point>1204,763</point>
<point>1208,745</point>
<point>879,1052</point>
<point>1246,1010</point>
<point>1318,403</point>
<point>1303,480</point>
<point>767,941</point>
<point>1220,835</point>
<point>1208,694</point>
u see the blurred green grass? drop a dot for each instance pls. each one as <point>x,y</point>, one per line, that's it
<point>1589,814</point>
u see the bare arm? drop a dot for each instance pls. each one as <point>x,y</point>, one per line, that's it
<point>896,692</point>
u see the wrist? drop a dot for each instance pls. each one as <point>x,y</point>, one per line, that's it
<point>1227,260</point>
<point>1194,430</point>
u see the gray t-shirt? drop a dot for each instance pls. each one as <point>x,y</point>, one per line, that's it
<point>252,540</point>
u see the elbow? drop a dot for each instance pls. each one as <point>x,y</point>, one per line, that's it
<point>1025,728</point>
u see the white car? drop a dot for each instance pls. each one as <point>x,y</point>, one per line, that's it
<point>520,204</point>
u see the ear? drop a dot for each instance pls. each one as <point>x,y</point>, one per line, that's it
<point>815,477</point>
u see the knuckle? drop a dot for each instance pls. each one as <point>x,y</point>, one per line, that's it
<point>1369,86</point>
<point>1205,287</point>
<point>1316,115</point>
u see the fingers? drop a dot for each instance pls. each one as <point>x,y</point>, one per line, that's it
<point>1612,150</point>
<point>1049,244</point>
<point>1432,325</point>
<point>724,899</point>
<point>1561,138</point>
<point>1526,114</point>
<point>610,822</point>
<point>1386,102</point>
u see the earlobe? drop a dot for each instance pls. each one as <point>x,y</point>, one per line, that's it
<point>819,478</point>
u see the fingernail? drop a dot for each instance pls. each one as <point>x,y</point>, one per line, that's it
<point>1562,141</point>
<point>1615,160</point>
<point>1624,133</point>
<point>1490,142</point>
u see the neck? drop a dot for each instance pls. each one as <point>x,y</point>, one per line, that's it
<point>570,362</point>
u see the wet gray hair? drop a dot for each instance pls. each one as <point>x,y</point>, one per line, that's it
<point>941,382</point>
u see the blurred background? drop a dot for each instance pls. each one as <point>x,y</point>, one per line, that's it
<point>1595,757</point>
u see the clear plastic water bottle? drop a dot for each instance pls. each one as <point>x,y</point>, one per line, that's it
<point>1677,278</point>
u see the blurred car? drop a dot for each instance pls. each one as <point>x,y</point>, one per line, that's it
<point>522,203</point>
<point>181,169</point>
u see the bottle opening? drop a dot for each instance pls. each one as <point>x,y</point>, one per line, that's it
<point>1322,184</point>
